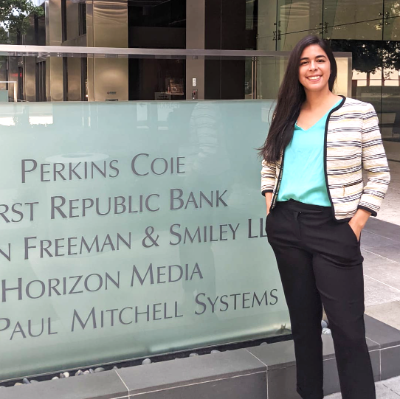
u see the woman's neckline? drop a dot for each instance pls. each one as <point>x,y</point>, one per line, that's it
<point>322,117</point>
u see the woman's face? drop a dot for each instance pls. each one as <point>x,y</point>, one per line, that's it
<point>314,68</point>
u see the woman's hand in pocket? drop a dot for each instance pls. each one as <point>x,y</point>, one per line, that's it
<point>356,229</point>
<point>358,221</point>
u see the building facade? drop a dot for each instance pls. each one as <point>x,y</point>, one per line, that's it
<point>106,144</point>
<point>370,33</point>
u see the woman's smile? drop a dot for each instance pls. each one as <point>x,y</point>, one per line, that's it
<point>314,78</point>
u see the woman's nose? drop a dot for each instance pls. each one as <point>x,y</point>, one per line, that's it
<point>313,65</point>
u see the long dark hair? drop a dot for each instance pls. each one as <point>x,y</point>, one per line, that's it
<point>291,96</point>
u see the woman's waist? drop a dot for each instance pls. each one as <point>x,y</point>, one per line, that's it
<point>298,206</point>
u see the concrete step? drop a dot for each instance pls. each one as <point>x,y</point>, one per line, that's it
<point>258,372</point>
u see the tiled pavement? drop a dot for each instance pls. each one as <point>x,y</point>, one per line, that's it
<point>381,251</point>
<point>380,243</point>
<point>388,389</point>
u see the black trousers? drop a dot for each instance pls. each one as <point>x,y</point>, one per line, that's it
<point>320,262</point>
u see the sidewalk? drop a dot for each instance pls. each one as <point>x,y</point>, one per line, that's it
<point>380,245</point>
<point>388,389</point>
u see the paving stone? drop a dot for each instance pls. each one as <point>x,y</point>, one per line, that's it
<point>180,372</point>
<point>282,383</point>
<point>393,384</point>
<point>377,292</point>
<point>383,228</point>
<point>105,385</point>
<point>387,313</point>
<point>373,240</point>
<point>252,386</point>
<point>390,362</point>
<point>381,333</point>
<point>390,251</point>
<point>382,392</point>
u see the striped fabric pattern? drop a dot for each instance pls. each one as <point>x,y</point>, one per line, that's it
<point>353,143</point>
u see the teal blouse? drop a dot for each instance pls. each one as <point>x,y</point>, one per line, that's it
<point>303,175</point>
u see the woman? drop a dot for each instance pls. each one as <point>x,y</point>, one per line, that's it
<point>317,206</point>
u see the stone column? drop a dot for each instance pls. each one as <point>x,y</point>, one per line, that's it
<point>195,39</point>
<point>107,26</point>
<point>54,65</point>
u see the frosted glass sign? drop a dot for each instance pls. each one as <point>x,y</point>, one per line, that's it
<point>131,229</point>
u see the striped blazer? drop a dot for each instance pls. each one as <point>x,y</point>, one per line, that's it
<point>352,142</point>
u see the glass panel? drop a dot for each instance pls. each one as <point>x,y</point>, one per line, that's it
<point>371,30</point>
<point>8,82</point>
<point>367,67</point>
<point>267,25</point>
<point>133,23</point>
<point>251,14</point>
<point>151,79</point>
<point>156,24</point>
<point>133,227</point>
<point>298,16</point>
<point>267,67</point>
<point>287,41</point>
<point>391,27</point>
<point>113,77</point>
<point>390,117</point>
<point>391,82</point>
<point>353,20</point>
<point>391,99</point>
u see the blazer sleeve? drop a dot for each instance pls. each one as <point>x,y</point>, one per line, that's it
<point>267,177</point>
<point>374,162</point>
